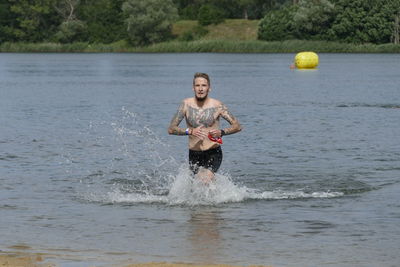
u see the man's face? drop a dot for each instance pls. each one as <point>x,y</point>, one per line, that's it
<point>201,88</point>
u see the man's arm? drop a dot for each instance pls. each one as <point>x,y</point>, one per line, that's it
<point>235,125</point>
<point>176,120</point>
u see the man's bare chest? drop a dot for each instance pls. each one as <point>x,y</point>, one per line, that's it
<point>206,117</point>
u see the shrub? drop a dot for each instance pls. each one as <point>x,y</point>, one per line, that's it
<point>149,21</point>
<point>278,24</point>
<point>104,19</point>
<point>70,31</point>
<point>209,14</point>
<point>359,21</point>
<point>312,19</point>
<point>194,34</point>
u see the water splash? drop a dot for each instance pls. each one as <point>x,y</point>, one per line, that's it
<point>188,190</point>
<point>131,176</point>
<point>123,154</point>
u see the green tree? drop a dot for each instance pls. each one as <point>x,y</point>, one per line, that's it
<point>149,21</point>
<point>245,5</point>
<point>313,19</point>
<point>251,9</point>
<point>104,20</point>
<point>393,9</point>
<point>71,29</point>
<point>67,8</point>
<point>36,20</point>
<point>209,14</point>
<point>360,21</point>
<point>262,7</point>
<point>278,24</point>
<point>188,9</point>
<point>7,19</point>
<point>255,9</point>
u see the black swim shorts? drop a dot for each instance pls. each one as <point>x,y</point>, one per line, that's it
<point>210,159</point>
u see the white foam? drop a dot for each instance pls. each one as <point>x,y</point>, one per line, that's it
<point>294,195</point>
<point>119,197</point>
<point>187,190</point>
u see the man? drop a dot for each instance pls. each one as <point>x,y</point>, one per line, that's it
<point>202,115</point>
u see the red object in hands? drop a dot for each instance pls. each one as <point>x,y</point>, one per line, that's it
<point>215,139</point>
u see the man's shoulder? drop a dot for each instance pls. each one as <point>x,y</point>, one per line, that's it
<point>215,102</point>
<point>187,100</point>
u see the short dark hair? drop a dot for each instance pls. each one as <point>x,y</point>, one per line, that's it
<point>201,75</point>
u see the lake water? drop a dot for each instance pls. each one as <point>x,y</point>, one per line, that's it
<point>88,173</point>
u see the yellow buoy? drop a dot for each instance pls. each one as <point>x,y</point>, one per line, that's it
<point>306,60</point>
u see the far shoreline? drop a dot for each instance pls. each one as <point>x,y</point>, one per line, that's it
<point>203,46</point>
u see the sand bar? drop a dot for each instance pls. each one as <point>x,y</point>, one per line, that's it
<point>22,259</point>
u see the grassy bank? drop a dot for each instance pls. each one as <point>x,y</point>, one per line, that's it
<point>204,46</point>
<point>231,36</point>
<point>292,46</point>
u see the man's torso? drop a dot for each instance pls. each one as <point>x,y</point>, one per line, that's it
<point>206,116</point>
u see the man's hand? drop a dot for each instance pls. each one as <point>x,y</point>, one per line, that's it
<point>199,132</point>
<point>215,133</point>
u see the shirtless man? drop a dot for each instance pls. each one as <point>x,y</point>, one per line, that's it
<point>202,115</point>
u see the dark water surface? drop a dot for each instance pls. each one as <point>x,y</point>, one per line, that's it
<point>88,172</point>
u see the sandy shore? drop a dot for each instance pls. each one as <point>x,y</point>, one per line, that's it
<point>23,260</point>
<point>18,259</point>
<point>164,264</point>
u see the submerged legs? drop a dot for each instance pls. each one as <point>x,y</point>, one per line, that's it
<point>205,175</point>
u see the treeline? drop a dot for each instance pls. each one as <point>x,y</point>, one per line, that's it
<point>143,22</point>
<point>351,21</point>
<point>95,21</point>
<point>230,9</point>
<point>107,21</point>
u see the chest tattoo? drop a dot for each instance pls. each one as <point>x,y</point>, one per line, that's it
<point>205,117</point>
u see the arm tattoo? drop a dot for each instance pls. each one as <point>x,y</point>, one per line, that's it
<point>176,120</point>
<point>227,115</point>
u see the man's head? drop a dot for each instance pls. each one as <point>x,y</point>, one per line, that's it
<point>201,86</point>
